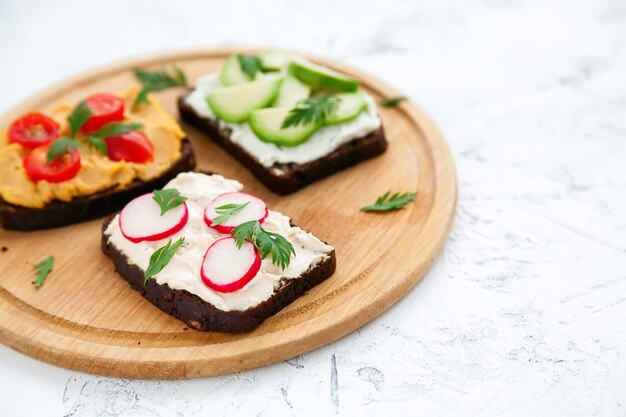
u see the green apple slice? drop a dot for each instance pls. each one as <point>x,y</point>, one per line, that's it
<point>320,77</point>
<point>234,103</point>
<point>349,107</point>
<point>232,74</point>
<point>291,91</point>
<point>274,60</point>
<point>267,126</point>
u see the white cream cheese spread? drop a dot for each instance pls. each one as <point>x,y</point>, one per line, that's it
<point>321,143</point>
<point>183,271</point>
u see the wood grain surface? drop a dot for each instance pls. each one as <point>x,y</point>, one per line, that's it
<point>85,317</point>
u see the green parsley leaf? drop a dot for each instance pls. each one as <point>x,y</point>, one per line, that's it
<point>161,79</point>
<point>116,128</point>
<point>142,97</point>
<point>154,81</point>
<point>311,110</point>
<point>180,77</point>
<point>387,203</point>
<point>245,231</point>
<point>168,199</point>
<point>110,129</point>
<point>61,146</point>
<point>97,143</point>
<point>78,117</point>
<point>227,211</point>
<point>250,64</point>
<point>42,269</point>
<point>160,258</point>
<point>392,102</point>
<point>266,242</point>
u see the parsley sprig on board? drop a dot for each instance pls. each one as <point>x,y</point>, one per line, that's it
<point>168,199</point>
<point>392,102</point>
<point>227,211</point>
<point>267,243</point>
<point>311,110</point>
<point>388,203</point>
<point>43,269</point>
<point>160,258</point>
<point>154,81</point>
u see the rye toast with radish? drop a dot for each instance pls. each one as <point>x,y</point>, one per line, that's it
<point>212,256</point>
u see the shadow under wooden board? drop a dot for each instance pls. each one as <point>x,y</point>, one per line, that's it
<point>87,318</point>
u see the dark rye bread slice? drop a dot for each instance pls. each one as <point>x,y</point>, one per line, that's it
<point>200,315</point>
<point>61,213</point>
<point>288,178</point>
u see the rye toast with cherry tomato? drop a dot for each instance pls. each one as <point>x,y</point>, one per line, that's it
<point>86,160</point>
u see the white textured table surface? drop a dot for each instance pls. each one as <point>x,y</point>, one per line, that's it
<point>524,313</point>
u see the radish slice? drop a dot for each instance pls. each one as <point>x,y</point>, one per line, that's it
<point>141,220</point>
<point>255,210</point>
<point>226,268</point>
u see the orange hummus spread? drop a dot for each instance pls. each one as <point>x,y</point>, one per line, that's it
<point>97,172</point>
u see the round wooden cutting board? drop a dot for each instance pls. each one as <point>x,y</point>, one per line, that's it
<point>85,317</point>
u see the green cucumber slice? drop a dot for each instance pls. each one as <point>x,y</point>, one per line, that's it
<point>266,125</point>
<point>234,103</point>
<point>291,91</point>
<point>349,107</point>
<point>274,60</point>
<point>320,77</point>
<point>232,73</point>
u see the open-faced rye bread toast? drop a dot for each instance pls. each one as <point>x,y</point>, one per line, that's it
<point>216,258</point>
<point>86,161</point>
<point>289,121</point>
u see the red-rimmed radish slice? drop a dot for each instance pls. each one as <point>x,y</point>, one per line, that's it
<point>255,210</point>
<point>141,220</point>
<point>227,268</point>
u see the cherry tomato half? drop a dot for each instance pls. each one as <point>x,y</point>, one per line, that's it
<point>105,108</point>
<point>33,130</point>
<point>63,168</point>
<point>130,147</point>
